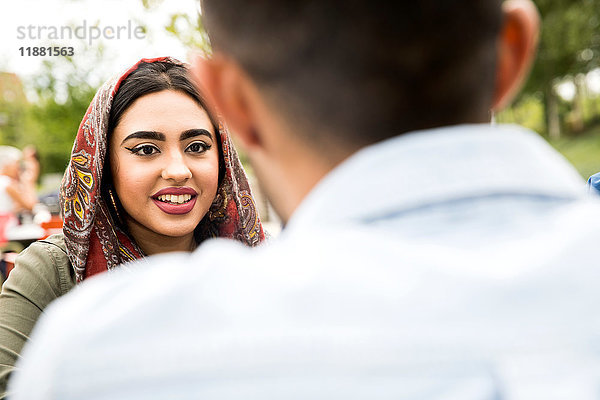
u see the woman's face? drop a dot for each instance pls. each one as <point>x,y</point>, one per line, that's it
<point>165,164</point>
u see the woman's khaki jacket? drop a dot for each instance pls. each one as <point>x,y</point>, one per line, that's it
<point>42,273</point>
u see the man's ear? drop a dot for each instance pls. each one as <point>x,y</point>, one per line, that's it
<point>516,49</point>
<point>225,87</point>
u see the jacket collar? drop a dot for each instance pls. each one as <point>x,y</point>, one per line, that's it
<point>439,165</point>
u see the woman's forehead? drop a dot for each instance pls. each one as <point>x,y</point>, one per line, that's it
<point>169,112</point>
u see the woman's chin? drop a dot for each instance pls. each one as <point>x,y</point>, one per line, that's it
<point>165,227</point>
<point>177,231</point>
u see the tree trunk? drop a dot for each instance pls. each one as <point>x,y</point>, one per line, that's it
<point>578,122</point>
<point>552,118</point>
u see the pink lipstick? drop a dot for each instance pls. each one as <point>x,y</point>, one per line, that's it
<point>175,200</point>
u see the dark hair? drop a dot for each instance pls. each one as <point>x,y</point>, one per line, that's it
<point>153,77</point>
<point>148,78</point>
<point>351,73</point>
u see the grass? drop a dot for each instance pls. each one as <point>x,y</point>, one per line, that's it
<point>583,151</point>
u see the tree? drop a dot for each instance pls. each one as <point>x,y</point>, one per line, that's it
<point>64,91</point>
<point>188,29</point>
<point>13,102</point>
<point>569,45</point>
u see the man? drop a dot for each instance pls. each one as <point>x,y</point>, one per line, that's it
<point>425,255</point>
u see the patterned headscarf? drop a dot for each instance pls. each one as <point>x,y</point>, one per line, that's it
<point>93,240</point>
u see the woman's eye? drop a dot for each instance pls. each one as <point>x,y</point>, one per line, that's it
<point>197,147</point>
<point>144,150</point>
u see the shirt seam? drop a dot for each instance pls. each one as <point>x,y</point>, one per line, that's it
<point>58,265</point>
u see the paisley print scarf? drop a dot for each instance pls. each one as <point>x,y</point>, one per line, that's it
<point>94,242</point>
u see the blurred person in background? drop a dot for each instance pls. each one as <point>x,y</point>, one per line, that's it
<point>31,161</point>
<point>30,170</point>
<point>13,196</point>
<point>426,254</point>
<point>30,174</point>
<point>151,171</point>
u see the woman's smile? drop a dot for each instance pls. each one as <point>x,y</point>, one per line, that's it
<point>175,200</point>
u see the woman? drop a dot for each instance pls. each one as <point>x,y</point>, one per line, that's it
<point>9,175</point>
<point>14,197</point>
<point>151,171</point>
<point>30,173</point>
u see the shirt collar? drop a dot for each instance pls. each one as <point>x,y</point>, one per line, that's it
<point>438,165</point>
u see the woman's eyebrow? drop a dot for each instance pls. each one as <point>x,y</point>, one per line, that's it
<point>193,133</point>
<point>146,135</point>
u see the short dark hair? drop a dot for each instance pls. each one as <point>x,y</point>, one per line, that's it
<point>358,72</point>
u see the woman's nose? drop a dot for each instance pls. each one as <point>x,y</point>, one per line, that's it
<point>176,169</point>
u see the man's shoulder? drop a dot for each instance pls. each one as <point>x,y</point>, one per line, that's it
<point>151,279</point>
<point>229,304</point>
<point>219,269</point>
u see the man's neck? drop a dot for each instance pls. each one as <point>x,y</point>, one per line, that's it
<point>288,179</point>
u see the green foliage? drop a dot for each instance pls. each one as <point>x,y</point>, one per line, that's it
<point>12,106</point>
<point>569,41</point>
<point>190,31</point>
<point>52,122</point>
<point>527,112</point>
<point>569,46</point>
<point>150,4</point>
<point>12,117</point>
<point>63,92</point>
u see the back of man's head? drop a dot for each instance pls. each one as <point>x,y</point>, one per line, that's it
<point>357,72</point>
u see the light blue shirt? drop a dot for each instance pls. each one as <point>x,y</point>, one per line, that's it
<point>457,263</point>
